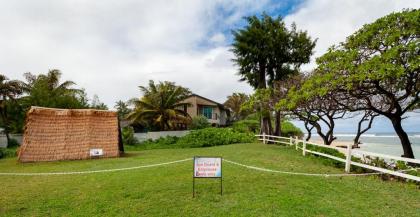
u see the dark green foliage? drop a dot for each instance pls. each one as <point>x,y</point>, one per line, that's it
<point>128,136</point>
<point>45,90</point>
<point>213,137</point>
<point>7,152</point>
<point>246,126</point>
<point>266,51</point>
<point>122,109</point>
<point>200,138</point>
<point>13,143</point>
<point>265,48</point>
<point>199,122</point>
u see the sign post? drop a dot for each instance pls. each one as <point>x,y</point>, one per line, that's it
<point>207,167</point>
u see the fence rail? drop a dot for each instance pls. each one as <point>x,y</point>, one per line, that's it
<point>348,153</point>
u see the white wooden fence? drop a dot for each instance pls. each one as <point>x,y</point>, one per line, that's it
<point>348,152</point>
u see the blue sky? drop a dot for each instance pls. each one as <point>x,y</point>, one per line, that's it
<point>111,47</point>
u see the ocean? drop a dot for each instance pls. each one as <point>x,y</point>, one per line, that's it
<point>385,143</point>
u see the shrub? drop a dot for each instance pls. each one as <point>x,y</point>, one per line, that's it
<point>13,143</point>
<point>246,126</point>
<point>128,136</point>
<point>288,129</point>
<point>7,152</point>
<point>200,138</point>
<point>199,122</point>
<point>213,137</point>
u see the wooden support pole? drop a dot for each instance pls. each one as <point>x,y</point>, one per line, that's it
<point>264,138</point>
<point>291,141</point>
<point>348,158</point>
<point>304,148</point>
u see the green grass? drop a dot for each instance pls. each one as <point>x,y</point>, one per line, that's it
<point>167,190</point>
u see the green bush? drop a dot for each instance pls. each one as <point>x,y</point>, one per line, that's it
<point>246,126</point>
<point>288,129</point>
<point>13,143</point>
<point>213,137</point>
<point>128,137</point>
<point>199,122</point>
<point>7,152</point>
<point>253,126</point>
<point>199,138</point>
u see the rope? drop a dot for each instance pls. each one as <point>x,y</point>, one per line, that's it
<point>92,171</point>
<point>179,161</point>
<point>307,174</point>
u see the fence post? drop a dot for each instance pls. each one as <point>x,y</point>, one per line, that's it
<point>304,148</point>
<point>290,140</point>
<point>348,158</point>
<point>296,146</point>
<point>264,138</point>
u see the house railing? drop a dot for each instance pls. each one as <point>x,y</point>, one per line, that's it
<point>349,152</point>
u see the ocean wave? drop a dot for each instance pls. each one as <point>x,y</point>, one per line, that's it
<point>369,135</point>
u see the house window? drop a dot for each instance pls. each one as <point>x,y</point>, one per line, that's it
<point>207,112</point>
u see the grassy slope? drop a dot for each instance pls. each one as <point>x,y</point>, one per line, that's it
<point>166,191</point>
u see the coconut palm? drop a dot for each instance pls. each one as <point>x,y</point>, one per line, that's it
<point>161,106</point>
<point>234,103</point>
<point>122,109</point>
<point>9,90</point>
<point>47,90</point>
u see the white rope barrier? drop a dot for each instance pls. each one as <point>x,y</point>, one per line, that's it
<point>307,174</point>
<point>93,171</point>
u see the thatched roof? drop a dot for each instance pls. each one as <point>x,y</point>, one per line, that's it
<point>68,134</point>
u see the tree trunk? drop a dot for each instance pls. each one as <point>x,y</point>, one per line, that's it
<point>277,131</point>
<point>6,126</point>
<point>405,141</point>
<point>359,133</point>
<point>266,126</point>
<point>309,130</point>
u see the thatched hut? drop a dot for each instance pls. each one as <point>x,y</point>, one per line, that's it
<point>69,134</point>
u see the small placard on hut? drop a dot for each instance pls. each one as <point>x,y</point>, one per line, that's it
<point>96,152</point>
<point>207,167</point>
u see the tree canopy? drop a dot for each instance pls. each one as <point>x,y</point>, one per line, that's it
<point>266,51</point>
<point>376,69</point>
<point>161,106</point>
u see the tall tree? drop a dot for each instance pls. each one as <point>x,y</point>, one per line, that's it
<point>161,106</point>
<point>46,90</point>
<point>9,90</point>
<point>378,67</point>
<point>234,103</point>
<point>266,51</point>
<point>122,109</point>
<point>97,104</point>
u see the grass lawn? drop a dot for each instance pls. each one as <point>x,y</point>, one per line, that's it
<point>167,190</point>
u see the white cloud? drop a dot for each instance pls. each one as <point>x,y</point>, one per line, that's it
<point>111,47</point>
<point>331,21</point>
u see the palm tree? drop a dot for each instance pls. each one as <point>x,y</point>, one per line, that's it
<point>9,90</point>
<point>122,109</point>
<point>161,106</point>
<point>51,80</point>
<point>46,90</point>
<point>234,103</point>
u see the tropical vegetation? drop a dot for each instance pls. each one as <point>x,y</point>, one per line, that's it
<point>9,90</point>
<point>267,51</point>
<point>161,107</point>
<point>376,71</point>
